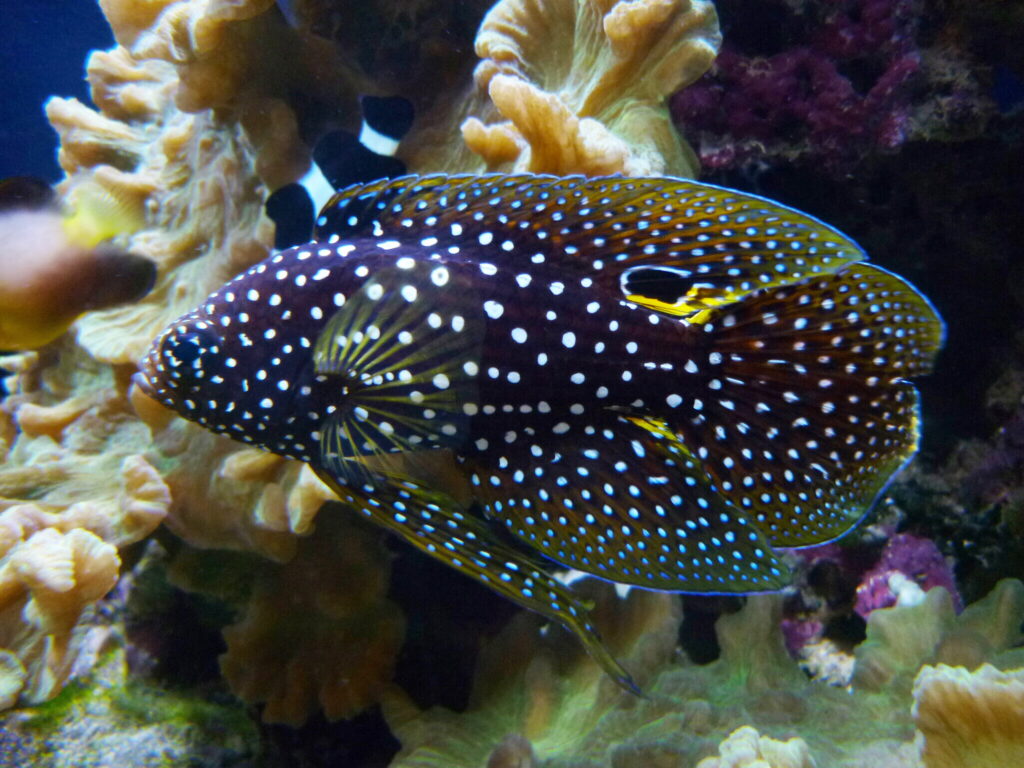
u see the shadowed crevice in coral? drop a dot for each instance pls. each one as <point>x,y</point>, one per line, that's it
<point>762,28</point>
<point>697,635</point>
<point>174,637</point>
<point>846,631</point>
<point>448,618</point>
<point>363,741</point>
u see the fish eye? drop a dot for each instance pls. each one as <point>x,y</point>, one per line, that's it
<point>664,285</point>
<point>188,348</point>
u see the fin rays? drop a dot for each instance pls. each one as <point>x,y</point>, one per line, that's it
<point>804,413</point>
<point>435,524</point>
<point>405,351</point>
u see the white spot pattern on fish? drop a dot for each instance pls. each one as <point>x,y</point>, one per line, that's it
<point>648,380</point>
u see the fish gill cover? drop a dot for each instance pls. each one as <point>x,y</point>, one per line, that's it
<point>241,93</point>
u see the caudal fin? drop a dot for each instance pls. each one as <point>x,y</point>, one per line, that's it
<point>803,411</point>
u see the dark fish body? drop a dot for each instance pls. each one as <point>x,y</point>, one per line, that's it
<point>649,380</point>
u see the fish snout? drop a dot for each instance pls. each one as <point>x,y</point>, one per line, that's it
<point>143,378</point>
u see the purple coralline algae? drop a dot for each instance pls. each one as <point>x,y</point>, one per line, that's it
<point>997,476</point>
<point>840,580</point>
<point>799,633</point>
<point>849,80</point>
<point>909,567</point>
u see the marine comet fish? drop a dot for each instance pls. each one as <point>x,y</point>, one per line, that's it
<point>651,380</point>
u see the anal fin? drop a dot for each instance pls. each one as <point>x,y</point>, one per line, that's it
<point>433,523</point>
<point>625,501</point>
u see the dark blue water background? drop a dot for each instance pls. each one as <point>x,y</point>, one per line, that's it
<point>43,48</point>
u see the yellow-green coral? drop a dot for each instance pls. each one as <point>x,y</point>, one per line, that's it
<point>532,686</point>
<point>745,748</point>
<point>899,641</point>
<point>74,486</point>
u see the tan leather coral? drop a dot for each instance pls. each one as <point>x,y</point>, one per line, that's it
<point>970,719</point>
<point>582,85</point>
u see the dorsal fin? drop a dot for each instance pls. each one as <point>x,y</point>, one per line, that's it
<point>705,246</point>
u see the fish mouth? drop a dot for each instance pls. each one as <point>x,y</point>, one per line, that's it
<point>143,378</point>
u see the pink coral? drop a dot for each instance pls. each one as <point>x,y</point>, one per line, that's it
<point>906,559</point>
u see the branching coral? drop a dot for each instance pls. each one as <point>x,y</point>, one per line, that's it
<point>78,457</point>
<point>200,229</point>
<point>78,462</point>
<point>595,106</point>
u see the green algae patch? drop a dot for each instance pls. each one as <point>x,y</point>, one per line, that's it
<point>47,717</point>
<point>107,720</point>
<point>139,703</point>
